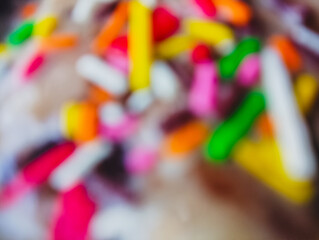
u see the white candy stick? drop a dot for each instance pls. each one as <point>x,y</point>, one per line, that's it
<point>164,82</point>
<point>102,74</point>
<point>81,162</point>
<point>291,131</point>
<point>112,113</point>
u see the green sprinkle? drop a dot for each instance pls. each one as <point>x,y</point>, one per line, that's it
<point>21,33</point>
<point>226,135</point>
<point>229,64</point>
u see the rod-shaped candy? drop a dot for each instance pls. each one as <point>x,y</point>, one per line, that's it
<point>84,159</point>
<point>289,127</point>
<point>100,73</point>
<point>228,65</point>
<point>140,44</point>
<point>227,134</point>
<point>202,99</point>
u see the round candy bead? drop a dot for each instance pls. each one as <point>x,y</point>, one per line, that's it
<point>227,134</point>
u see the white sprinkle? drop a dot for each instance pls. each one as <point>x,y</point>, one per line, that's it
<point>82,161</point>
<point>164,82</point>
<point>102,74</point>
<point>291,131</point>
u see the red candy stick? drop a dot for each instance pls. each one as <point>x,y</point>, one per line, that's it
<point>36,173</point>
<point>165,24</point>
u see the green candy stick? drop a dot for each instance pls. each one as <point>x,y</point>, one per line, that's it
<point>229,64</point>
<point>21,33</point>
<point>227,134</point>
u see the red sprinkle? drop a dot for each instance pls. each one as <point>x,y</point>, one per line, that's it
<point>201,53</point>
<point>41,168</point>
<point>121,44</point>
<point>165,24</point>
<point>34,65</point>
<point>208,7</point>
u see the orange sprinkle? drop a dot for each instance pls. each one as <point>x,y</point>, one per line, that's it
<point>264,126</point>
<point>111,29</point>
<point>186,139</point>
<point>288,52</point>
<point>98,95</point>
<point>59,41</point>
<point>88,122</point>
<point>235,12</point>
<point>28,10</point>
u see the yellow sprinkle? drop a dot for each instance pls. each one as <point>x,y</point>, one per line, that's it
<point>263,160</point>
<point>210,32</point>
<point>174,46</point>
<point>306,89</point>
<point>45,26</point>
<point>3,48</point>
<point>70,119</point>
<point>140,45</point>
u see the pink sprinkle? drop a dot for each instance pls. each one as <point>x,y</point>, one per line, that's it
<point>140,160</point>
<point>165,24</point>
<point>118,61</point>
<point>249,71</point>
<point>34,65</point>
<point>75,210</point>
<point>203,94</point>
<point>207,7</point>
<point>201,53</point>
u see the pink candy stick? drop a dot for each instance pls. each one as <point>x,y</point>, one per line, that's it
<point>202,100</point>
<point>249,71</point>
<point>74,212</point>
<point>36,173</point>
<point>140,160</point>
<point>34,64</point>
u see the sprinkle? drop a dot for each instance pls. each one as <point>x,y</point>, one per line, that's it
<point>202,99</point>
<point>140,45</point>
<point>235,12</point>
<point>58,42</point>
<point>291,132</point>
<point>35,63</point>
<point>227,134</point>
<point>100,73</point>
<point>28,10</point>
<point>174,46</point>
<point>111,28</point>
<point>22,33</point>
<point>210,32</point>
<point>165,24</point>
<point>45,26</point>
<point>288,52</point>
